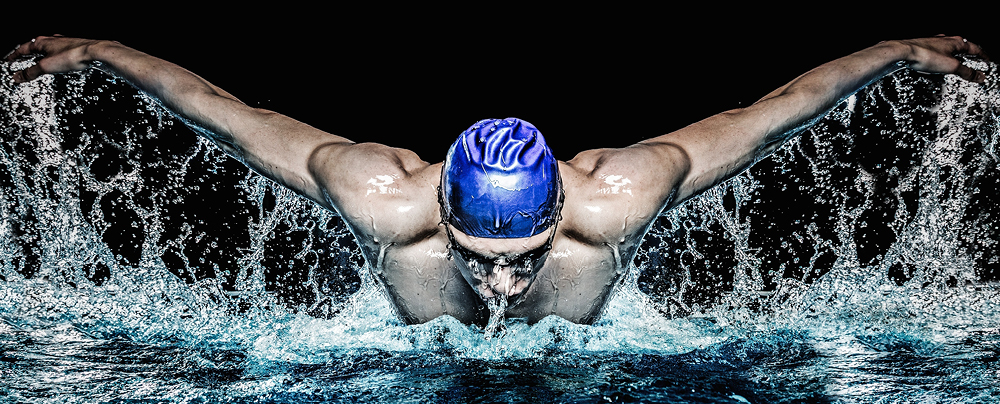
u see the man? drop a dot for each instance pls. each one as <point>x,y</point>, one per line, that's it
<point>500,224</point>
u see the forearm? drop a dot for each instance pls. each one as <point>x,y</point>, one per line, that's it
<point>180,90</point>
<point>270,143</point>
<point>787,110</point>
<point>725,144</point>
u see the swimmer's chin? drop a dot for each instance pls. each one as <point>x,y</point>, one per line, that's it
<point>513,288</point>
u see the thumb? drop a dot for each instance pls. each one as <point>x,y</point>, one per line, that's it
<point>28,74</point>
<point>970,74</point>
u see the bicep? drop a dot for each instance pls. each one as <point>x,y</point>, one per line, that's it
<point>725,144</point>
<point>353,179</point>
<point>669,169</point>
<point>273,145</point>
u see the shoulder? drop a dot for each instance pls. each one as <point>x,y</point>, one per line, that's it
<point>614,194</point>
<point>382,192</point>
<point>345,159</point>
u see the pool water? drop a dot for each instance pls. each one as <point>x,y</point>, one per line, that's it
<point>139,264</point>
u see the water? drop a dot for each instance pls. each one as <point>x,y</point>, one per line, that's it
<point>497,305</point>
<point>857,264</point>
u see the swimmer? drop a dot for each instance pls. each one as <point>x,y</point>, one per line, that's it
<point>500,220</point>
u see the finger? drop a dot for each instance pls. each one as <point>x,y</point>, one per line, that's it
<point>973,49</point>
<point>24,49</point>
<point>960,45</point>
<point>970,74</point>
<point>28,74</point>
<point>19,50</point>
<point>9,56</point>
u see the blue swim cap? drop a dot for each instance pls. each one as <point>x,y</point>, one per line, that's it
<point>500,180</point>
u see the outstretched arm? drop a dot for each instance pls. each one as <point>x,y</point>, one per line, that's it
<point>314,163</point>
<point>671,168</point>
<point>724,145</point>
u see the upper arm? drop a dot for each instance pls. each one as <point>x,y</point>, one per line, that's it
<point>329,169</point>
<point>357,180</point>
<point>640,181</point>
<point>271,144</point>
<point>725,144</point>
<point>716,148</point>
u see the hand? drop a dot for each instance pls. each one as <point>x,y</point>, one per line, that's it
<point>59,55</point>
<point>937,55</point>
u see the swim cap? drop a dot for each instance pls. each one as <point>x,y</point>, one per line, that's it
<point>500,180</point>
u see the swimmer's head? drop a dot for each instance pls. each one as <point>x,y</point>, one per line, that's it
<point>501,192</point>
<point>500,180</point>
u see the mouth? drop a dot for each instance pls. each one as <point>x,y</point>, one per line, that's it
<point>503,283</point>
<point>489,290</point>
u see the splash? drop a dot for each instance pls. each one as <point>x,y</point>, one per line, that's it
<point>118,231</point>
<point>871,234</point>
<point>497,305</point>
<point>862,216</point>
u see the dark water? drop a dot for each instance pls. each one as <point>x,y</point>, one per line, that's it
<point>857,264</point>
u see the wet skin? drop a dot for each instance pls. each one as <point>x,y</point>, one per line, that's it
<point>504,266</point>
<point>574,274</point>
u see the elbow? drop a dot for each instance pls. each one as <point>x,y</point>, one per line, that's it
<point>673,154</point>
<point>679,166</point>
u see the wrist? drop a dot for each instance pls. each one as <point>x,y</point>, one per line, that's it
<point>102,50</point>
<point>897,51</point>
